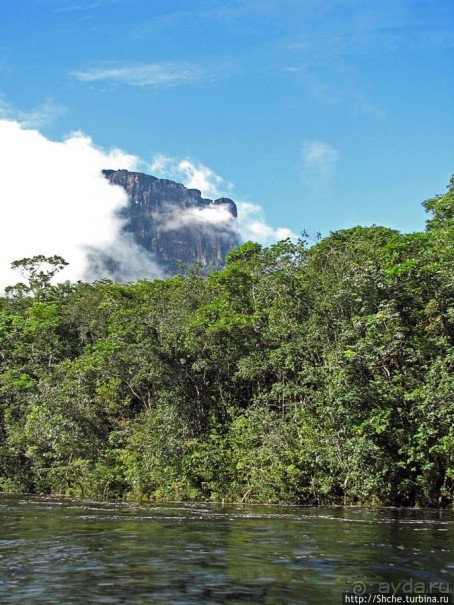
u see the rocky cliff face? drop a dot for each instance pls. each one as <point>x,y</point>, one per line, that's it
<point>176,224</point>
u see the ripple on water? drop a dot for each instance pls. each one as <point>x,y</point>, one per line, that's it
<point>57,550</point>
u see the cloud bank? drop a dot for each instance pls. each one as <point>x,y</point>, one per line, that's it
<point>55,200</point>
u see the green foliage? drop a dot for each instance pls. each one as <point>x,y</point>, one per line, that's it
<point>303,375</point>
<point>38,271</point>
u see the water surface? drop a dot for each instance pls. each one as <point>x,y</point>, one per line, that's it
<point>55,550</point>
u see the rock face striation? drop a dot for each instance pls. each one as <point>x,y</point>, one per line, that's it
<point>175,224</point>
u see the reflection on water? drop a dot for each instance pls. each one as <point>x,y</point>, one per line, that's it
<point>64,551</point>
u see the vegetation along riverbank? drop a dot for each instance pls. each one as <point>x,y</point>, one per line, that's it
<point>302,374</point>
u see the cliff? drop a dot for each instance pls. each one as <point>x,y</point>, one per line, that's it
<point>175,224</point>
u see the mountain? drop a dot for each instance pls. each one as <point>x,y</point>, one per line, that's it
<point>175,224</point>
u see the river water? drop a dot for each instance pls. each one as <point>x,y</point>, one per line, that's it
<point>55,550</point>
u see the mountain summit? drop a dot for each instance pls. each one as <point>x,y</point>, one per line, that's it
<point>176,224</point>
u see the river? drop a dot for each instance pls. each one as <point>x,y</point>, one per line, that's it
<point>59,550</point>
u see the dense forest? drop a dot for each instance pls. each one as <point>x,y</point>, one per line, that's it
<point>313,374</point>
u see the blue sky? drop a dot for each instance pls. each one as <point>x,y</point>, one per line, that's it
<point>323,113</point>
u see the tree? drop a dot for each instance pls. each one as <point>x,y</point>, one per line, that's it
<point>38,271</point>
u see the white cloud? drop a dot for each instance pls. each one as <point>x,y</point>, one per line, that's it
<point>55,200</point>
<point>38,117</point>
<point>201,178</point>
<point>217,216</point>
<point>193,176</point>
<point>319,160</point>
<point>252,226</point>
<point>153,75</point>
<point>251,223</point>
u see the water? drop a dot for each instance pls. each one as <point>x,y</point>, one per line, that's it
<point>64,551</point>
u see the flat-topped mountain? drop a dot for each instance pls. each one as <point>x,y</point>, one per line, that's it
<point>176,224</point>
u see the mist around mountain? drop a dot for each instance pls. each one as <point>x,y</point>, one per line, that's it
<point>171,224</point>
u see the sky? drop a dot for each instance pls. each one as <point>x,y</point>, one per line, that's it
<point>313,115</point>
